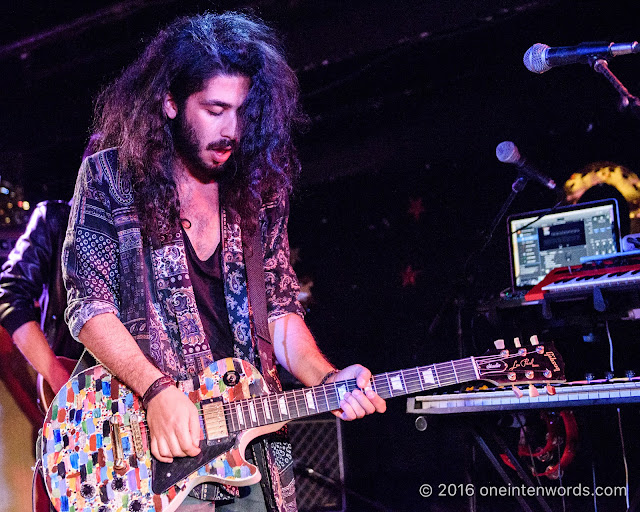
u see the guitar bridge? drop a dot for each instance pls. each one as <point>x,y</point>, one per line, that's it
<point>215,424</point>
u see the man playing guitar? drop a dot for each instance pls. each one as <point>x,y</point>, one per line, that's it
<point>197,158</point>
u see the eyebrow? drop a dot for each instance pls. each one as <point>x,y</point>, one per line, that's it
<point>215,103</point>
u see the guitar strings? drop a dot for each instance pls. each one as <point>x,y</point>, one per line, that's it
<point>410,381</point>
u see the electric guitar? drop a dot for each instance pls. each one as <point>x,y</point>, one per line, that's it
<point>96,449</point>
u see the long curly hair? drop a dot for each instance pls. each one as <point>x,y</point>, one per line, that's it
<point>129,114</point>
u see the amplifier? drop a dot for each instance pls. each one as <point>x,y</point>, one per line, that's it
<point>319,465</point>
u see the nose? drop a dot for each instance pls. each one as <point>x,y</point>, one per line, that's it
<point>230,128</point>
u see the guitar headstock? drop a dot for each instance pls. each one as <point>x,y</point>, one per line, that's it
<point>537,364</point>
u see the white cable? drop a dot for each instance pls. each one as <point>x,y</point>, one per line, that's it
<point>624,451</point>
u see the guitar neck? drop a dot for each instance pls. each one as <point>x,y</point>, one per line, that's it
<point>301,403</point>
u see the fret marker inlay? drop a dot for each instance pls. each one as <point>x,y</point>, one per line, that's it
<point>311,404</point>
<point>283,406</point>
<point>396,382</point>
<point>267,409</point>
<point>427,376</point>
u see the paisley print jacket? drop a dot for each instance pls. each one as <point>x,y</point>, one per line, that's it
<point>109,268</point>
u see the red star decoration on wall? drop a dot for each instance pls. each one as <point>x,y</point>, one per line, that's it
<point>416,208</point>
<point>409,276</point>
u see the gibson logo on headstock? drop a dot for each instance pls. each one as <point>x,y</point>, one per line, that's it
<point>525,362</point>
<point>552,359</point>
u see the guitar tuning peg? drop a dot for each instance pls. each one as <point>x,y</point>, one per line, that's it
<point>534,340</point>
<point>550,390</point>
<point>517,391</point>
<point>499,344</point>
<point>516,342</point>
<point>533,391</point>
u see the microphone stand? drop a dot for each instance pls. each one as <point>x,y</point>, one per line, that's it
<point>626,98</point>
<point>313,473</point>
<point>517,186</point>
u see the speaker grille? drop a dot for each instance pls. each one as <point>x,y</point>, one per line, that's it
<point>317,456</point>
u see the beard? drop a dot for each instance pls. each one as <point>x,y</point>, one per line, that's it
<point>187,146</point>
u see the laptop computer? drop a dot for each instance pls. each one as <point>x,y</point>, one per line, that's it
<point>540,241</point>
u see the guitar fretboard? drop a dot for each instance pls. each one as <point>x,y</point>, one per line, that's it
<point>299,403</point>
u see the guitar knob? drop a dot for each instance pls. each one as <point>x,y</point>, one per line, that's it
<point>87,491</point>
<point>118,484</point>
<point>135,506</point>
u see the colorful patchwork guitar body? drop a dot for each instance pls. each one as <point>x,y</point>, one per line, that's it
<point>95,444</point>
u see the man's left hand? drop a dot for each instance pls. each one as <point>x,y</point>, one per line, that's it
<point>359,402</point>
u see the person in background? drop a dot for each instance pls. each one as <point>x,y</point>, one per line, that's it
<point>32,294</point>
<point>32,304</point>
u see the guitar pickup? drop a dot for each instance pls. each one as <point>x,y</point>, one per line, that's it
<point>119,463</point>
<point>136,434</point>
<point>215,423</point>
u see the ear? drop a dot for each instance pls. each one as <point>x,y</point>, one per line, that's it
<point>170,107</point>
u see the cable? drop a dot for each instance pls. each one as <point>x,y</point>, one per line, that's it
<point>624,451</point>
<point>36,471</point>
<point>610,345</point>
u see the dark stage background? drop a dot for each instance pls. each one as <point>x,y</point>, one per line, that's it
<point>408,100</point>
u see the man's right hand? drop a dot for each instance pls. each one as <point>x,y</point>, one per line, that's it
<point>174,425</point>
<point>171,417</point>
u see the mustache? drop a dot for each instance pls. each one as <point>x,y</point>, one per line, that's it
<point>222,145</point>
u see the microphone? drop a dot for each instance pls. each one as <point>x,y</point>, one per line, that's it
<point>508,153</point>
<point>540,57</point>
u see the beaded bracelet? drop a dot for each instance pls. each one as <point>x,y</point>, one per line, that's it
<point>328,374</point>
<point>158,385</point>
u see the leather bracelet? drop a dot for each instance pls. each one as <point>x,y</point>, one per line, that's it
<point>326,377</point>
<point>158,385</point>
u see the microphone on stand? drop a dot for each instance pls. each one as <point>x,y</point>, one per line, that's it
<point>540,57</point>
<point>507,152</point>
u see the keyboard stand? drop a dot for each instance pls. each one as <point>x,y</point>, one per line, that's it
<point>480,433</point>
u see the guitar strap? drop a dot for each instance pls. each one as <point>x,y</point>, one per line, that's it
<point>254,264</point>
<point>85,362</point>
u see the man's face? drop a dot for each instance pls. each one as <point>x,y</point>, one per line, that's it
<point>207,126</point>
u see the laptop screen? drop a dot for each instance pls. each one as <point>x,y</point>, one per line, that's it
<point>540,241</point>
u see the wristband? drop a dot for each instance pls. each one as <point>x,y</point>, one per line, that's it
<point>158,385</point>
<point>328,374</point>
